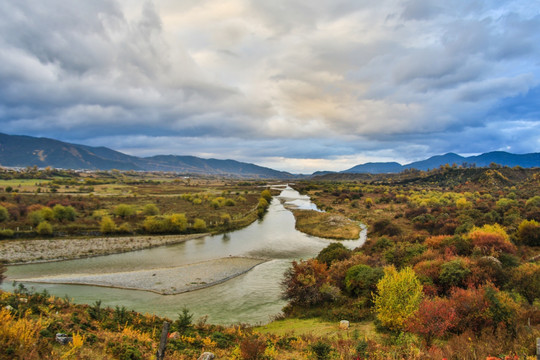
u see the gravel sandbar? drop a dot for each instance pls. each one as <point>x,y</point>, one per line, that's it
<point>32,251</point>
<point>165,281</point>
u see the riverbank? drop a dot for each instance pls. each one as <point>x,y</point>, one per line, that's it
<point>164,281</point>
<point>47,250</point>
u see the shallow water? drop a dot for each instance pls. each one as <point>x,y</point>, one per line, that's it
<point>250,298</point>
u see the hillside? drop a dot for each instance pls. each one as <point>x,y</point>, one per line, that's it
<point>498,157</point>
<point>24,151</point>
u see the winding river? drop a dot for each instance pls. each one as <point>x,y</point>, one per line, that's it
<point>253,297</point>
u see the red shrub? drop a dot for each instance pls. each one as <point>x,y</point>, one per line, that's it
<point>435,316</point>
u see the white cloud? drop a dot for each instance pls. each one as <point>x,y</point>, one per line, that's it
<point>348,79</point>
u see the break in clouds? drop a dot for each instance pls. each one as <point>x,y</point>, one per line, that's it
<point>295,85</point>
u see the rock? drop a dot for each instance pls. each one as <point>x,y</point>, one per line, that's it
<point>8,307</point>
<point>344,325</point>
<point>63,339</point>
<point>175,335</point>
<point>206,356</point>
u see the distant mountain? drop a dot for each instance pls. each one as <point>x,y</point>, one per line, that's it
<point>23,151</point>
<point>376,168</point>
<point>498,157</point>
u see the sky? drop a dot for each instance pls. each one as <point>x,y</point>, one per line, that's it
<point>295,85</point>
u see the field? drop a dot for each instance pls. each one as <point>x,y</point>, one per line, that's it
<point>66,203</point>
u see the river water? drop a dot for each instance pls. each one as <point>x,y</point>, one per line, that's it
<point>254,297</point>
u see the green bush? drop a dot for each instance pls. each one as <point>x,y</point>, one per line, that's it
<point>124,210</point>
<point>333,252</point>
<point>199,225</point>
<point>44,228</point>
<point>361,280</point>
<point>454,273</point>
<point>150,210</point>
<point>4,214</point>
<point>321,350</point>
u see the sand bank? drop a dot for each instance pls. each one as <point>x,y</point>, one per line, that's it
<point>165,281</point>
<point>32,251</point>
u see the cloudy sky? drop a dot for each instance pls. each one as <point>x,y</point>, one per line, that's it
<point>296,85</point>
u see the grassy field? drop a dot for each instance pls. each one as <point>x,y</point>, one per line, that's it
<point>221,204</point>
<point>318,328</point>
<point>326,225</point>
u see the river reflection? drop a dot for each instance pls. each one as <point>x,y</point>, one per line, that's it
<point>250,298</point>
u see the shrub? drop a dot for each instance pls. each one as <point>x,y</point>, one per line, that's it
<point>491,238</point>
<point>526,280</point>
<point>529,232</point>
<point>62,213</point>
<point>199,224</point>
<point>47,213</point>
<point>184,320</point>
<point>44,228</point>
<point>361,280</point>
<point>302,282</point>
<point>434,317</point>
<point>252,348</point>
<point>454,273</point>
<point>124,210</point>
<point>397,298</point>
<point>35,217</point>
<point>150,210</point>
<point>154,225</point>
<point>386,227</point>
<point>333,252</point>
<point>177,223</point>
<point>265,194</point>
<point>107,225</point>
<point>321,350</point>
<point>4,214</point>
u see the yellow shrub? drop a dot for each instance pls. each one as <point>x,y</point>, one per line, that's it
<point>20,334</point>
<point>136,334</point>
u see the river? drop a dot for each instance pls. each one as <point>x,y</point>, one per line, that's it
<point>253,298</point>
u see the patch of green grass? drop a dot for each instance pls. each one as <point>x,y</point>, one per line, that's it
<point>326,225</point>
<point>316,327</point>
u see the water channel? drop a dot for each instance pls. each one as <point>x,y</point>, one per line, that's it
<point>254,297</point>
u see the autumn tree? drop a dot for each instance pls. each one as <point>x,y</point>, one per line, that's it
<point>434,318</point>
<point>303,282</point>
<point>397,298</point>
<point>62,213</point>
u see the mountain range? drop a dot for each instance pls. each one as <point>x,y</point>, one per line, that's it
<point>24,151</point>
<point>498,157</point>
